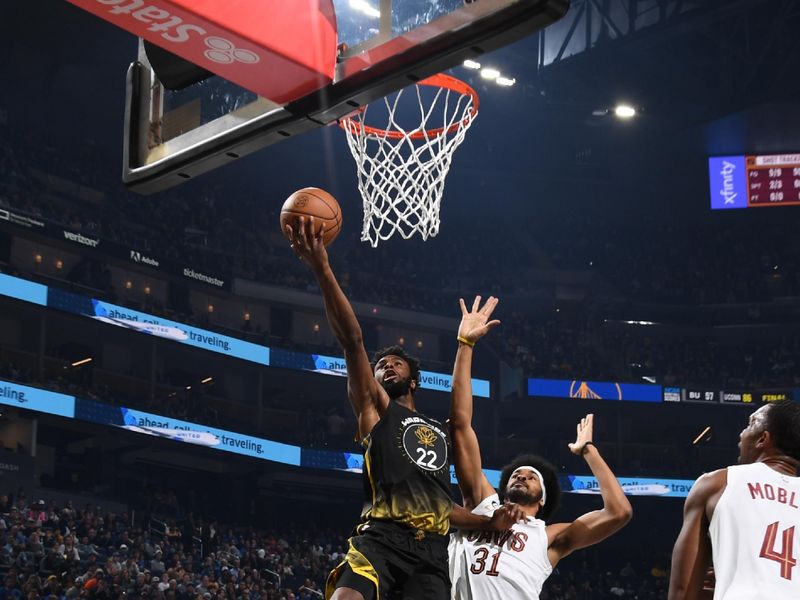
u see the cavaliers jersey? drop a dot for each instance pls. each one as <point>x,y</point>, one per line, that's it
<point>499,565</point>
<point>407,471</point>
<point>755,535</point>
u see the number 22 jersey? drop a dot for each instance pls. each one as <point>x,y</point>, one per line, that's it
<point>499,565</point>
<point>407,471</point>
<point>755,535</point>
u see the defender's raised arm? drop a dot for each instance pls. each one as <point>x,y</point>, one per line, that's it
<point>467,453</point>
<point>595,526</point>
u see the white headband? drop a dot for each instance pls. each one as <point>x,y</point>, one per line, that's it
<point>539,475</point>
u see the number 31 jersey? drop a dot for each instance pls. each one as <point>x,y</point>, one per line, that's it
<point>499,565</point>
<point>755,535</point>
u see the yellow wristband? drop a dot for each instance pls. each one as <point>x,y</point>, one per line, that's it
<point>465,341</point>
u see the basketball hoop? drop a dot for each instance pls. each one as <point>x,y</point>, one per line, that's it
<point>401,171</point>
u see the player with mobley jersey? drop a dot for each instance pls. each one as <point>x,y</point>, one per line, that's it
<point>514,564</point>
<point>746,517</point>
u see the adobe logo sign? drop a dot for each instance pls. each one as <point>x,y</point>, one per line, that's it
<point>240,41</point>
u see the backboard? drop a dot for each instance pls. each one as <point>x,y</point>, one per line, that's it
<point>383,45</point>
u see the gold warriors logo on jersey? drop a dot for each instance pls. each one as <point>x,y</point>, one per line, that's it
<point>425,444</point>
<point>426,436</point>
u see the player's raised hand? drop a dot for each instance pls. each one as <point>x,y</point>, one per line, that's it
<point>505,516</point>
<point>475,323</point>
<point>584,435</point>
<point>306,242</point>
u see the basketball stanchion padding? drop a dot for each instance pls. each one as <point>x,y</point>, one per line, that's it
<point>402,171</point>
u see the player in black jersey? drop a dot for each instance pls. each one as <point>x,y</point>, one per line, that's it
<point>399,551</point>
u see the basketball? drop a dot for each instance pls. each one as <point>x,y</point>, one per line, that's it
<point>317,203</point>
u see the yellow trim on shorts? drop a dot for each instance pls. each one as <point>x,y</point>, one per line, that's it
<point>359,564</point>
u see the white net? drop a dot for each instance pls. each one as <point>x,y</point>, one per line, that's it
<point>401,172</point>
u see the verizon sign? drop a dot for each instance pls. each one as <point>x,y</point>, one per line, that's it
<point>83,240</point>
<point>263,45</point>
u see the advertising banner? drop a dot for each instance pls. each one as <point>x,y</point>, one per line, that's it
<point>595,390</point>
<point>24,290</point>
<point>31,398</point>
<point>88,241</point>
<point>140,322</point>
<point>185,432</point>
<point>727,182</point>
<point>632,486</point>
<point>334,365</point>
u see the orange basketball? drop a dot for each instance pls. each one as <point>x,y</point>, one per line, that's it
<point>317,203</point>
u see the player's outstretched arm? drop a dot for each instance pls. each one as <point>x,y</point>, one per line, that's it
<point>593,527</point>
<point>367,398</point>
<point>501,520</point>
<point>692,553</point>
<point>471,480</point>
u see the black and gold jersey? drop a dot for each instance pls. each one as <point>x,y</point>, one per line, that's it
<point>407,471</point>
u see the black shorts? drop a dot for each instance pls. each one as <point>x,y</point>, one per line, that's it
<point>389,561</point>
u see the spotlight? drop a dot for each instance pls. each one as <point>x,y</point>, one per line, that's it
<point>625,111</point>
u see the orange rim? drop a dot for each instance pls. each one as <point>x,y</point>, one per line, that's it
<point>441,81</point>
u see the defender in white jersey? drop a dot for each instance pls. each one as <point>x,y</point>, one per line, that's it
<point>514,564</point>
<point>746,518</point>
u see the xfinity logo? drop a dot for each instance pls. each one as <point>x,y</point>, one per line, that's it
<point>728,191</point>
<point>173,29</point>
<point>81,239</point>
<point>138,257</point>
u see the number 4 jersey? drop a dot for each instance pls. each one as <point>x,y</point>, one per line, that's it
<point>499,565</point>
<point>754,535</point>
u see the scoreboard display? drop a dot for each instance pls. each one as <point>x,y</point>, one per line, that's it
<point>754,180</point>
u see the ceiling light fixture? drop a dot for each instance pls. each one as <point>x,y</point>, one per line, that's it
<point>471,64</point>
<point>625,111</point>
<point>505,81</point>
<point>489,73</point>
